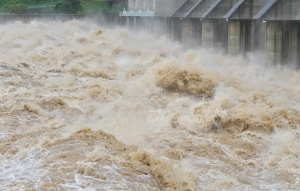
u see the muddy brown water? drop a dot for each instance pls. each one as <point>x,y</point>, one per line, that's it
<point>88,108</point>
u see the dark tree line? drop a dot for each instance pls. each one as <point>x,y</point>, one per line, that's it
<point>68,6</point>
<point>16,8</point>
<point>64,7</point>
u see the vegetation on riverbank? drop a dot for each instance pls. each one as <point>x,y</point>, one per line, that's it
<point>61,6</point>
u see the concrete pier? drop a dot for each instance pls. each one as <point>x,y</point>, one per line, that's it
<point>209,28</point>
<point>246,36</point>
<point>160,25</point>
<point>282,42</point>
<point>237,27</point>
<point>215,34</point>
<point>148,24</point>
<point>191,33</point>
<point>234,37</point>
<point>174,28</point>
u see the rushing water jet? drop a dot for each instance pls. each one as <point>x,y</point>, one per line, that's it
<point>109,109</point>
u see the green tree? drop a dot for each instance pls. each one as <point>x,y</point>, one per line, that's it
<point>68,6</point>
<point>16,8</point>
<point>112,3</point>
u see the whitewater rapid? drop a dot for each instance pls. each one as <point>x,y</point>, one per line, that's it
<point>88,108</point>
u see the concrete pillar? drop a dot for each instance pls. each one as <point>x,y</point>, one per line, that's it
<point>148,24</point>
<point>191,33</point>
<point>290,42</point>
<point>215,34</point>
<point>234,32</point>
<point>245,37</point>
<point>298,47</point>
<point>174,28</point>
<point>240,40</point>
<point>159,25</point>
<point>258,36</point>
<point>122,21</point>
<point>171,28</point>
<point>134,23</point>
<point>127,22</point>
<point>110,21</point>
<point>283,42</point>
<point>208,30</point>
<point>139,23</point>
<point>274,41</point>
<point>130,22</point>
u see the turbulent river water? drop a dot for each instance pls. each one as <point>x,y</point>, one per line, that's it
<point>88,108</point>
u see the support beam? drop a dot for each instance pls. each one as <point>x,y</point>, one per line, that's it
<point>179,8</point>
<point>297,17</point>
<point>233,9</point>
<point>264,9</point>
<point>189,12</point>
<point>211,8</point>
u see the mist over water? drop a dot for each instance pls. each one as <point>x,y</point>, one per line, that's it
<point>88,108</point>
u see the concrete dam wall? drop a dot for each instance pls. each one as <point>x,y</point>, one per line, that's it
<point>235,26</point>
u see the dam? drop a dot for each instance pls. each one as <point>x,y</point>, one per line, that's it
<point>236,26</point>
